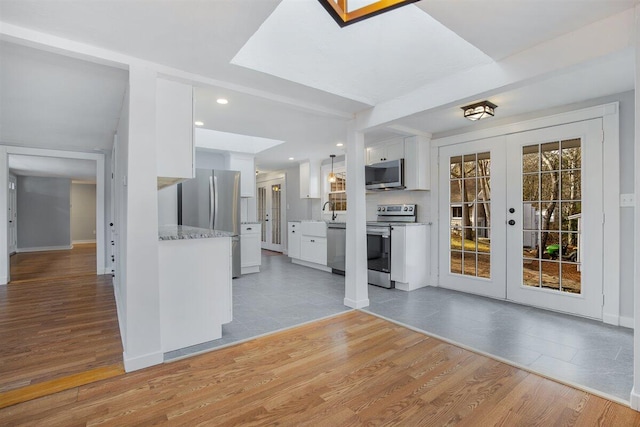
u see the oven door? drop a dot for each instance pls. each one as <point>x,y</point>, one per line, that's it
<point>379,255</point>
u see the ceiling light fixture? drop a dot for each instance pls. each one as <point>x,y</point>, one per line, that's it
<point>222,101</point>
<point>343,15</point>
<point>198,123</point>
<point>332,176</point>
<point>339,144</point>
<point>290,158</point>
<point>479,110</point>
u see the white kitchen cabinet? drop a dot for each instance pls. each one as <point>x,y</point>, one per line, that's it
<point>294,234</point>
<point>192,311</point>
<point>250,252</point>
<point>417,151</point>
<point>310,179</point>
<point>390,150</point>
<point>174,131</point>
<point>244,163</point>
<point>410,256</point>
<point>308,244</point>
<point>313,249</point>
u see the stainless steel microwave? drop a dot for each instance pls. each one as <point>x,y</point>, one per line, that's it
<point>385,175</point>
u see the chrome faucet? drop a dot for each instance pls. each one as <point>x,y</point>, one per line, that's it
<point>333,209</point>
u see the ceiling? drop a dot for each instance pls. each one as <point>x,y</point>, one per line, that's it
<point>75,169</point>
<point>290,73</point>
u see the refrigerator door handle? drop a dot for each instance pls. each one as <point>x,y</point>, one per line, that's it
<point>215,200</point>
<point>211,202</point>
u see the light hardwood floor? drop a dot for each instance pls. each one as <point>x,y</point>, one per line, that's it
<point>351,369</point>
<point>58,324</point>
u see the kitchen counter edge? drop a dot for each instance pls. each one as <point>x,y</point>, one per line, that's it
<point>185,232</point>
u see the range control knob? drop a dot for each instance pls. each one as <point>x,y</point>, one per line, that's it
<point>406,208</point>
<point>410,208</point>
<point>379,208</point>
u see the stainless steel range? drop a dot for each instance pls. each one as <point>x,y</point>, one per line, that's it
<point>379,241</point>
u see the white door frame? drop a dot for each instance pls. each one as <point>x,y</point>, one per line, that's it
<point>270,180</point>
<point>99,158</point>
<point>611,181</point>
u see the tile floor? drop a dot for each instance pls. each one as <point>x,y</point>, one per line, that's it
<point>572,349</point>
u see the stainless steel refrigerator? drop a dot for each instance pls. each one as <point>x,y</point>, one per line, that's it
<point>212,200</point>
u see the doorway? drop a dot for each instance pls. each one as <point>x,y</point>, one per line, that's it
<point>522,218</point>
<point>271,196</point>
<point>12,235</point>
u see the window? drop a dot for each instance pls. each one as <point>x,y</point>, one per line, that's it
<point>337,194</point>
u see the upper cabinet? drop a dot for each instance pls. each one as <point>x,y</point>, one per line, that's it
<point>245,163</point>
<point>415,150</point>
<point>174,131</point>
<point>310,179</point>
<point>392,150</point>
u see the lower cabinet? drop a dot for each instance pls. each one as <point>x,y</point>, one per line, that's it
<point>313,249</point>
<point>308,243</point>
<point>410,256</point>
<point>294,233</point>
<point>250,253</point>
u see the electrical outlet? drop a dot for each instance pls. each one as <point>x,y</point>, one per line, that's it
<point>627,200</point>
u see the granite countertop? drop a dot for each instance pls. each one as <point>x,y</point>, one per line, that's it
<point>182,232</point>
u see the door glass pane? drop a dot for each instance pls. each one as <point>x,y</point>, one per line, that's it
<point>470,214</point>
<point>276,193</point>
<point>551,227</point>
<point>262,212</point>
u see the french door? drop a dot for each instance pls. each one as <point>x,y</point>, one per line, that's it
<point>525,218</point>
<point>270,213</point>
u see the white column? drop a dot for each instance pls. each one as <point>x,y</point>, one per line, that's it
<point>635,392</point>
<point>4,220</point>
<point>143,339</point>
<point>356,286</point>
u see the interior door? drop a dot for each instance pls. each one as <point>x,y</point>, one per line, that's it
<point>555,216</point>
<point>12,216</point>
<point>472,217</point>
<point>270,213</point>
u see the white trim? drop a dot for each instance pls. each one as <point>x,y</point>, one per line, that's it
<point>611,227</point>
<point>583,114</point>
<point>626,322</point>
<point>99,158</point>
<point>356,304</point>
<point>249,270</point>
<point>44,249</point>
<point>634,399</point>
<point>120,313</point>
<point>311,264</point>
<point>73,242</point>
<point>141,362</point>
<point>4,281</point>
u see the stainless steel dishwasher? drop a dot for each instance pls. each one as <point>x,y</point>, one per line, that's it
<point>336,246</point>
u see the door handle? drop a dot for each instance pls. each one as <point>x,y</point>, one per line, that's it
<point>512,222</point>
<point>511,210</point>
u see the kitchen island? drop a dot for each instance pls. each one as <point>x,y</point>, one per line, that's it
<point>195,285</point>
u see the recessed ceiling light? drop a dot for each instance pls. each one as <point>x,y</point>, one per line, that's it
<point>222,101</point>
<point>339,144</point>
<point>198,123</point>
<point>290,158</point>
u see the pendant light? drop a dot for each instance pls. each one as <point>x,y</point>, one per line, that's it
<point>332,176</point>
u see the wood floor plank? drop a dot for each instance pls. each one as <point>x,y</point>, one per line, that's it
<point>57,319</point>
<point>362,371</point>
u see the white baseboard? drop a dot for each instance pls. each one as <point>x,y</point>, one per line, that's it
<point>611,319</point>
<point>45,248</point>
<point>249,270</point>
<point>356,304</point>
<point>311,264</point>
<point>144,361</point>
<point>83,241</point>
<point>627,322</point>
<point>634,400</point>
<point>4,280</point>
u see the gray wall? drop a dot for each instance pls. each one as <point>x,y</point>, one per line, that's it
<point>83,212</point>
<point>626,170</point>
<point>44,214</point>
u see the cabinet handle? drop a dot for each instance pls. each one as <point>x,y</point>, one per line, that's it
<point>293,231</point>
<point>312,241</point>
<point>249,228</point>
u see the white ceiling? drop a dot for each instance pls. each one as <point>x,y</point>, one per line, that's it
<point>325,73</point>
